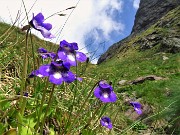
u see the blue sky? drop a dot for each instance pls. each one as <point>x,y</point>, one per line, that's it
<point>93,24</point>
<point>125,16</point>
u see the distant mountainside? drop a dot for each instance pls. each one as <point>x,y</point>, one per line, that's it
<point>151,15</point>
<point>150,11</point>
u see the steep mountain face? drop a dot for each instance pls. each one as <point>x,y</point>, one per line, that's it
<point>162,26</point>
<point>150,11</point>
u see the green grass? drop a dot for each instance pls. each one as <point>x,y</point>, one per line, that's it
<point>157,94</point>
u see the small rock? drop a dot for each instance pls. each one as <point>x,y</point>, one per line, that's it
<point>122,82</point>
<point>165,58</point>
<point>148,77</point>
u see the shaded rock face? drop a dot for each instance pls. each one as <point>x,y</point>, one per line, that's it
<point>166,33</point>
<point>113,50</point>
<point>150,11</point>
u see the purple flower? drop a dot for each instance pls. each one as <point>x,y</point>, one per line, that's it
<point>52,55</point>
<point>24,94</point>
<point>57,72</point>
<point>35,73</point>
<point>106,121</point>
<point>37,23</point>
<point>68,52</point>
<point>137,107</point>
<point>79,79</point>
<point>104,92</point>
<point>45,54</point>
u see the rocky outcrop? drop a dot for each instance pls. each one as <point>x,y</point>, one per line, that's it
<point>113,50</point>
<point>166,33</point>
<point>150,11</point>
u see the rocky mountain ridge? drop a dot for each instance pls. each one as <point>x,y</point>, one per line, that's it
<point>150,11</point>
<point>162,26</point>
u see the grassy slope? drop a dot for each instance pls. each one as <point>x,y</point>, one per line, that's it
<point>12,52</point>
<point>129,63</point>
<point>12,46</point>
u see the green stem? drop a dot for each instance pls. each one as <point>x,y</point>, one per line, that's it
<point>41,106</point>
<point>88,123</point>
<point>24,74</point>
<point>49,103</point>
<point>101,113</point>
<point>78,113</point>
<point>113,121</point>
<point>75,92</point>
<point>33,52</point>
<point>23,101</point>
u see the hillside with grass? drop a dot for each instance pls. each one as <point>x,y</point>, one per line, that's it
<point>144,68</point>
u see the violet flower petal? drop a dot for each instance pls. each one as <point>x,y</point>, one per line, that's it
<point>62,55</point>
<point>97,92</point>
<point>68,77</point>
<point>56,78</point>
<point>71,59</point>
<point>46,33</point>
<point>104,84</point>
<point>106,121</point>
<point>137,107</point>
<point>44,70</point>
<point>39,17</point>
<point>47,26</point>
<point>81,56</point>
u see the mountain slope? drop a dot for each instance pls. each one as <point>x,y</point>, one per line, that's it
<point>168,25</point>
<point>154,51</point>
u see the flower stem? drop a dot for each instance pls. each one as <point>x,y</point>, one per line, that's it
<point>114,121</point>
<point>93,115</point>
<point>41,106</point>
<point>24,74</point>
<point>23,101</point>
<point>75,93</point>
<point>49,103</point>
<point>78,113</point>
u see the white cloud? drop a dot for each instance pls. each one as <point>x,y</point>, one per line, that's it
<point>87,16</point>
<point>136,4</point>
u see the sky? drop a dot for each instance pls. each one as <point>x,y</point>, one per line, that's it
<point>94,24</point>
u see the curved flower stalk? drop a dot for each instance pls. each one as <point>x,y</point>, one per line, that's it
<point>137,107</point>
<point>106,121</point>
<point>105,92</point>
<point>37,23</point>
<point>57,72</point>
<point>68,52</point>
